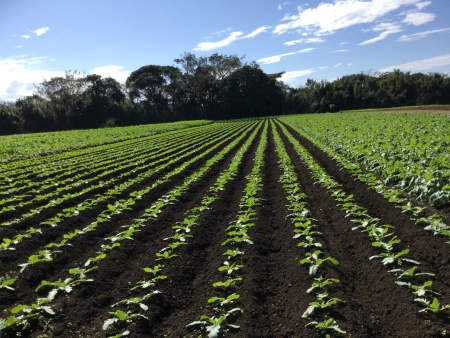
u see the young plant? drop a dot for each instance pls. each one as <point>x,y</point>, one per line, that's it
<point>326,325</point>
<point>391,258</point>
<point>215,326</point>
<point>434,306</point>
<point>229,283</point>
<point>5,282</point>
<point>224,301</point>
<point>120,316</point>
<point>410,273</point>
<point>321,304</point>
<point>229,268</point>
<point>321,283</point>
<point>420,290</point>
<point>315,262</point>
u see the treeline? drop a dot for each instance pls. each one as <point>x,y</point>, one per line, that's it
<point>369,90</point>
<point>217,87</point>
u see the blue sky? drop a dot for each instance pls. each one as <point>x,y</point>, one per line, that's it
<point>322,40</point>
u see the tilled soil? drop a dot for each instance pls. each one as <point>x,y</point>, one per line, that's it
<point>273,288</point>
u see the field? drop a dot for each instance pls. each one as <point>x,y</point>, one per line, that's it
<point>299,226</point>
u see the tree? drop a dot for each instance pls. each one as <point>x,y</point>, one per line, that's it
<point>249,92</point>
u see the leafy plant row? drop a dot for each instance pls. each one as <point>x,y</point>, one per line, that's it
<point>42,306</point>
<point>434,223</point>
<point>306,231</point>
<point>410,151</point>
<point>224,301</point>
<point>76,165</point>
<point>135,307</point>
<point>105,168</point>
<point>117,190</point>
<point>388,244</point>
<point>19,147</point>
<point>51,250</point>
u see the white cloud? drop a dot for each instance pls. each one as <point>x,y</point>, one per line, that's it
<point>326,18</point>
<point>17,79</point>
<point>41,31</point>
<point>386,28</point>
<point>341,50</point>
<point>219,33</point>
<point>349,64</point>
<point>415,66</point>
<point>291,78</point>
<point>279,7</point>
<point>339,64</point>
<point>26,36</point>
<point>322,68</point>
<point>421,34</point>
<point>422,5</point>
<point>115,72</point>
<point>277,58</point>
<point>205,46</point>
<point>418,19</point>
<point>344,43</point>
<point>19,46</point>
<point>256,32</point>
<point>310,40</point>
<point>306,50</point>
<point>274,59</point>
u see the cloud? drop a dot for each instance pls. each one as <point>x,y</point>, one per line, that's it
<point>26,36</point>
<point>279,7</point>
<point>219,33</point>
<point>339,64</point>
<point>19,46</point>
<point>292,77</point>
<point>41,31</point>
<point>277,58</point>
<point>415,66</point>
<point>327,18</point>
<point>115,72</point>
<point>205,46</point>
<point>349,64</point>
<point>341,51</point>
<point>274,59</point>
<point>344,43</point>
<point>310,40</point>
<point>17,78</point>
<point>422,5</point>
<point>418,19</point>
<point>421,34</point>
<point>386,28</point>
<point>256,32</point>
<point>322,68</point>
<point>306,50</point>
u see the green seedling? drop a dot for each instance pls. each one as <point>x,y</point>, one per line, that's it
<point>5,282</point>
<point>215,326</point>
<point>387,246</point>
<point>391,258</point>
<point>434,306</point>
<point>227,284</point>
<point>224,301</point>
<point>420,290</point>
<point>321,304</point>
<point>410,273</point>
<point>315,262</point>
<point>165,255</point>
<point>229,268</point>
<point>321,283</point>
<point>120,316</point>
<point>325,326</point>
<point>233,253</point>
<point>309,242</point>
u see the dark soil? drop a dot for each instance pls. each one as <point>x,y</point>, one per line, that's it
<point>273,289</point>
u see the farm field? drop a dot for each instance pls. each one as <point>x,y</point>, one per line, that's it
<point>299,226</point>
